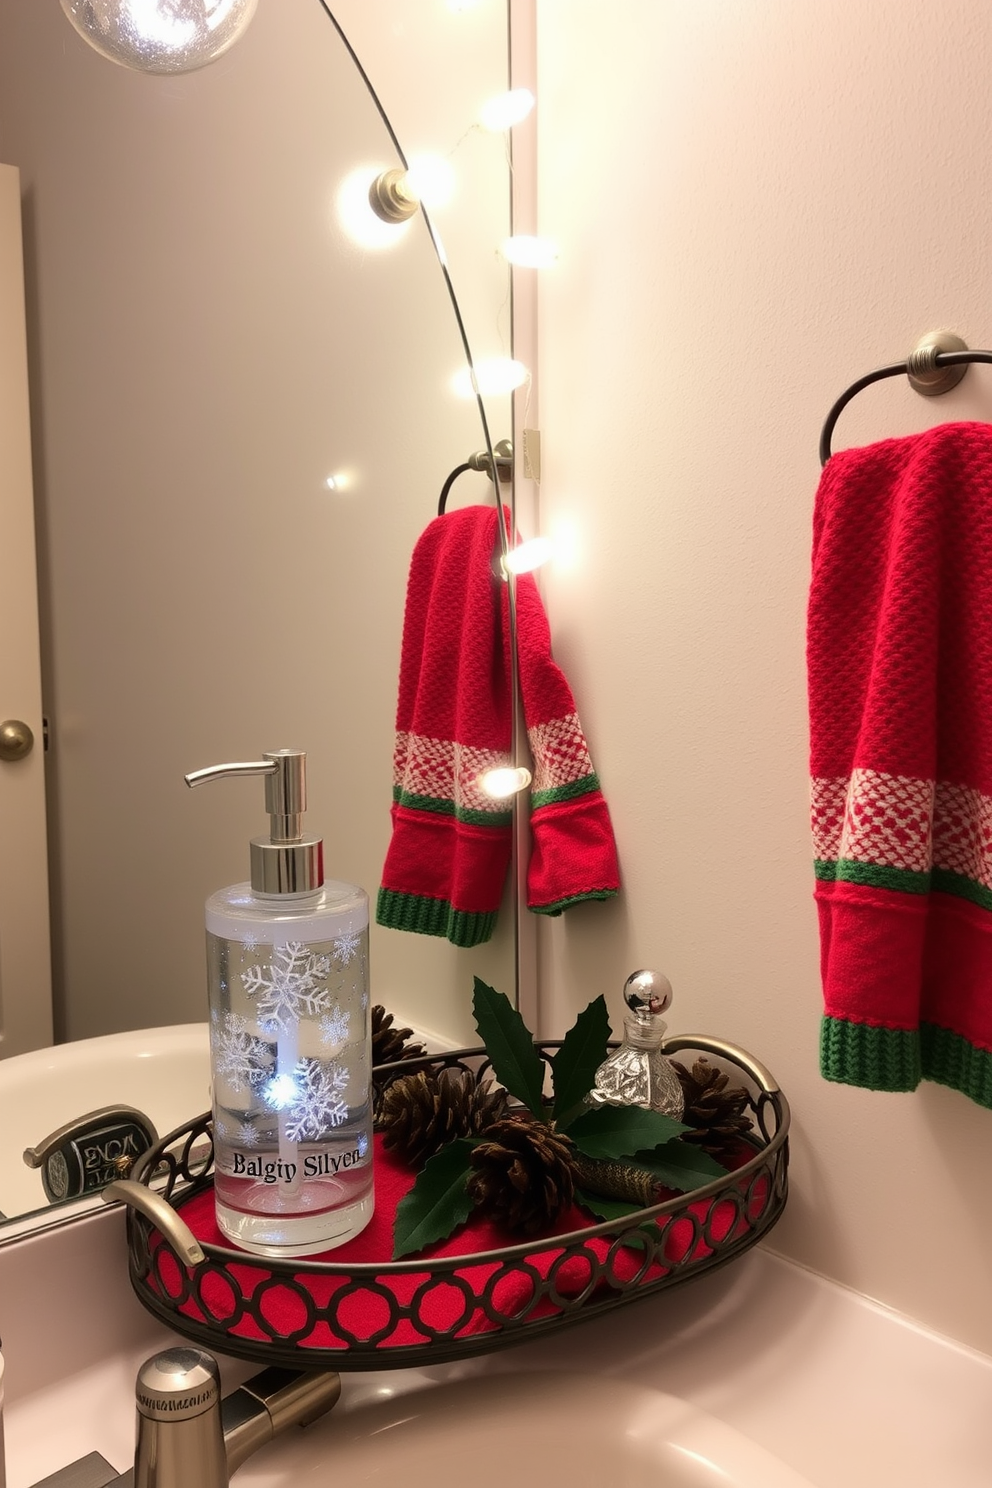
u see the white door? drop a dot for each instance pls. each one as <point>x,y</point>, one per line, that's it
<point>25,955</point>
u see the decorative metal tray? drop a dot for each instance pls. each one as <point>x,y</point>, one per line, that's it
<point>391,1314</point>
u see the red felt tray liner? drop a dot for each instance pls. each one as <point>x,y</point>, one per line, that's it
<point>397,1309</point>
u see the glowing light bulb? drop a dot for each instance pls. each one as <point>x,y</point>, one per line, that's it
<point>505,782</point>
<point>493,375</point>
<point>160,35</point>
<point>567,545</point>
<point>528,556</point>
<point>506,109</point>
<point>529,252</point>
<point>431,179</point>
<point>280,1092</point>
<point>356,216</point>
<point>339,481</point>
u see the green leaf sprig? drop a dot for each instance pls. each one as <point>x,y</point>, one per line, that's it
<point>439,1200</point>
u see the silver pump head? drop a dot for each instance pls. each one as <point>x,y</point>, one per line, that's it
<point>285,862</point>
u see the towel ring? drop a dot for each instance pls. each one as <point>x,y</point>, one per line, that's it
<point>503,453</point>
<point>935,365</point>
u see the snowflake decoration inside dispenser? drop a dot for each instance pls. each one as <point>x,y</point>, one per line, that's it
<point>290,987</point>
<point>240,1059</point>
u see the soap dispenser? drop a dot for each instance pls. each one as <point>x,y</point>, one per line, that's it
<point>290,1035</point>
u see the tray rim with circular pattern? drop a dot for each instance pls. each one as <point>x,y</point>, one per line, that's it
<point>185,1157</point>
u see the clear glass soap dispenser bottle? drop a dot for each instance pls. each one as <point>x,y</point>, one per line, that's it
<point>290,1035</point>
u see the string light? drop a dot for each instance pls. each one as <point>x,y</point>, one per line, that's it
<point>529,252</point>
<point>505,782</point>
<point>507,109</point>
<point>528,556</point>
<point>492,375</point>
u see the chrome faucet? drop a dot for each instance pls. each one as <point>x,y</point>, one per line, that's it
<point>188,1437</point>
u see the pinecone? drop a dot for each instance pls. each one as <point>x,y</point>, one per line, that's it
<point>716,1113</point>
<point>419,1113</point>
<point>389,1044</point>
<point>522,1175</point>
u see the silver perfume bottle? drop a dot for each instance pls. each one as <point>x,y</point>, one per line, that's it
<point>638,1073</point>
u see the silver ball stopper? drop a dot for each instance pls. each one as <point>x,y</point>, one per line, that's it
<point>647,993</point>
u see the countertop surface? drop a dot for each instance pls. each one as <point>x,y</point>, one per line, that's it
<point>845,1391</point>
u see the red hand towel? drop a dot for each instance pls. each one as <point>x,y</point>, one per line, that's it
<point>450,847</point>
<point>900,689</point>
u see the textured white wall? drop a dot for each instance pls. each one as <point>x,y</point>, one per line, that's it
<point>757,201</point>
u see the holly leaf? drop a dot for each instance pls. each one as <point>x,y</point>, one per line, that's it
<point>574,1066</point>
<point>681,1166</point>
<point>601,1208</point>
<point>510,1046</point>
<point>437,1203</point>
<point>620,1131</point>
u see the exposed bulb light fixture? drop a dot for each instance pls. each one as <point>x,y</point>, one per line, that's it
<point>363,225</point>
<point>396,195</point>
<point>160,35</point>
<point>392,197</point>
<point>528,556</point>
<point>338,481</point>
<point>526,252</point>
<point>506,109</point>
<point>505,782</point>
<point>492,375</point>
<point>431,179</point>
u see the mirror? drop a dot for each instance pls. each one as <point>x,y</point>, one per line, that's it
<point>207,347</point>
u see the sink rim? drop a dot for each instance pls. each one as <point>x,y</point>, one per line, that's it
<point>411,1420</point>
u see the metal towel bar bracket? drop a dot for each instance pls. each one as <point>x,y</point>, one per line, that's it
<point>935,365</point>
<point>503,456</point>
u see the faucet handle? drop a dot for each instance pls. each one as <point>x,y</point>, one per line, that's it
<point>269,1402</point>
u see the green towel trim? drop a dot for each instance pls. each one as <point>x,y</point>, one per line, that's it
<point>905,880</point>
<point>876,1058</point>
<point>562,904</point>
<point>442,806</point>
<point>564,792</point>
<point>876,875</point>
<point>426,916</point>
<point>898,1058</point>
<point>946,882</point>
<point>951,1060</point>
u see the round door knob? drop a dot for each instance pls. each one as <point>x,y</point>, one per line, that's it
<point>16,740</point>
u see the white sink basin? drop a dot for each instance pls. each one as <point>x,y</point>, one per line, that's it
<point>164,1072</point>
<point>529,1431</point>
